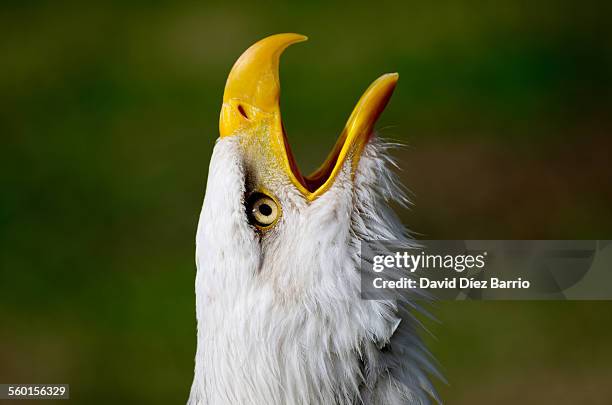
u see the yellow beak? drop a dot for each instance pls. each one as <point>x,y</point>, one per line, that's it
<point>251,109</point>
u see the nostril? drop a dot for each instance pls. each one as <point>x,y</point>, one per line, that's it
<point>242,112</point>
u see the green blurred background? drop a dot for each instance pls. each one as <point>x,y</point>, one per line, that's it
<point>108,114</point>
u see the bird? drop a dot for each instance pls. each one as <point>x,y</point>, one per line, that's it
<point>280,317</point>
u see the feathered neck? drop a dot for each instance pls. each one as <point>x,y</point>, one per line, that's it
<point>281,321</point>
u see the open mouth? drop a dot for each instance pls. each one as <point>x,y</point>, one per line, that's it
<point>254,82</point>
<point>316,179</point>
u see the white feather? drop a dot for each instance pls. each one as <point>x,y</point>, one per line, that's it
<point>280,317</point>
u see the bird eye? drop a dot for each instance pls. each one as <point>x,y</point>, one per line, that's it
<point>262,210</point>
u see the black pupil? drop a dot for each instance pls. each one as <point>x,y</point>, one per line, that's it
<point>265,209</point>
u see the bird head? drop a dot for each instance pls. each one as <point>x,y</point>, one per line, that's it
<point>288,221</point>
<point>280,315</point>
